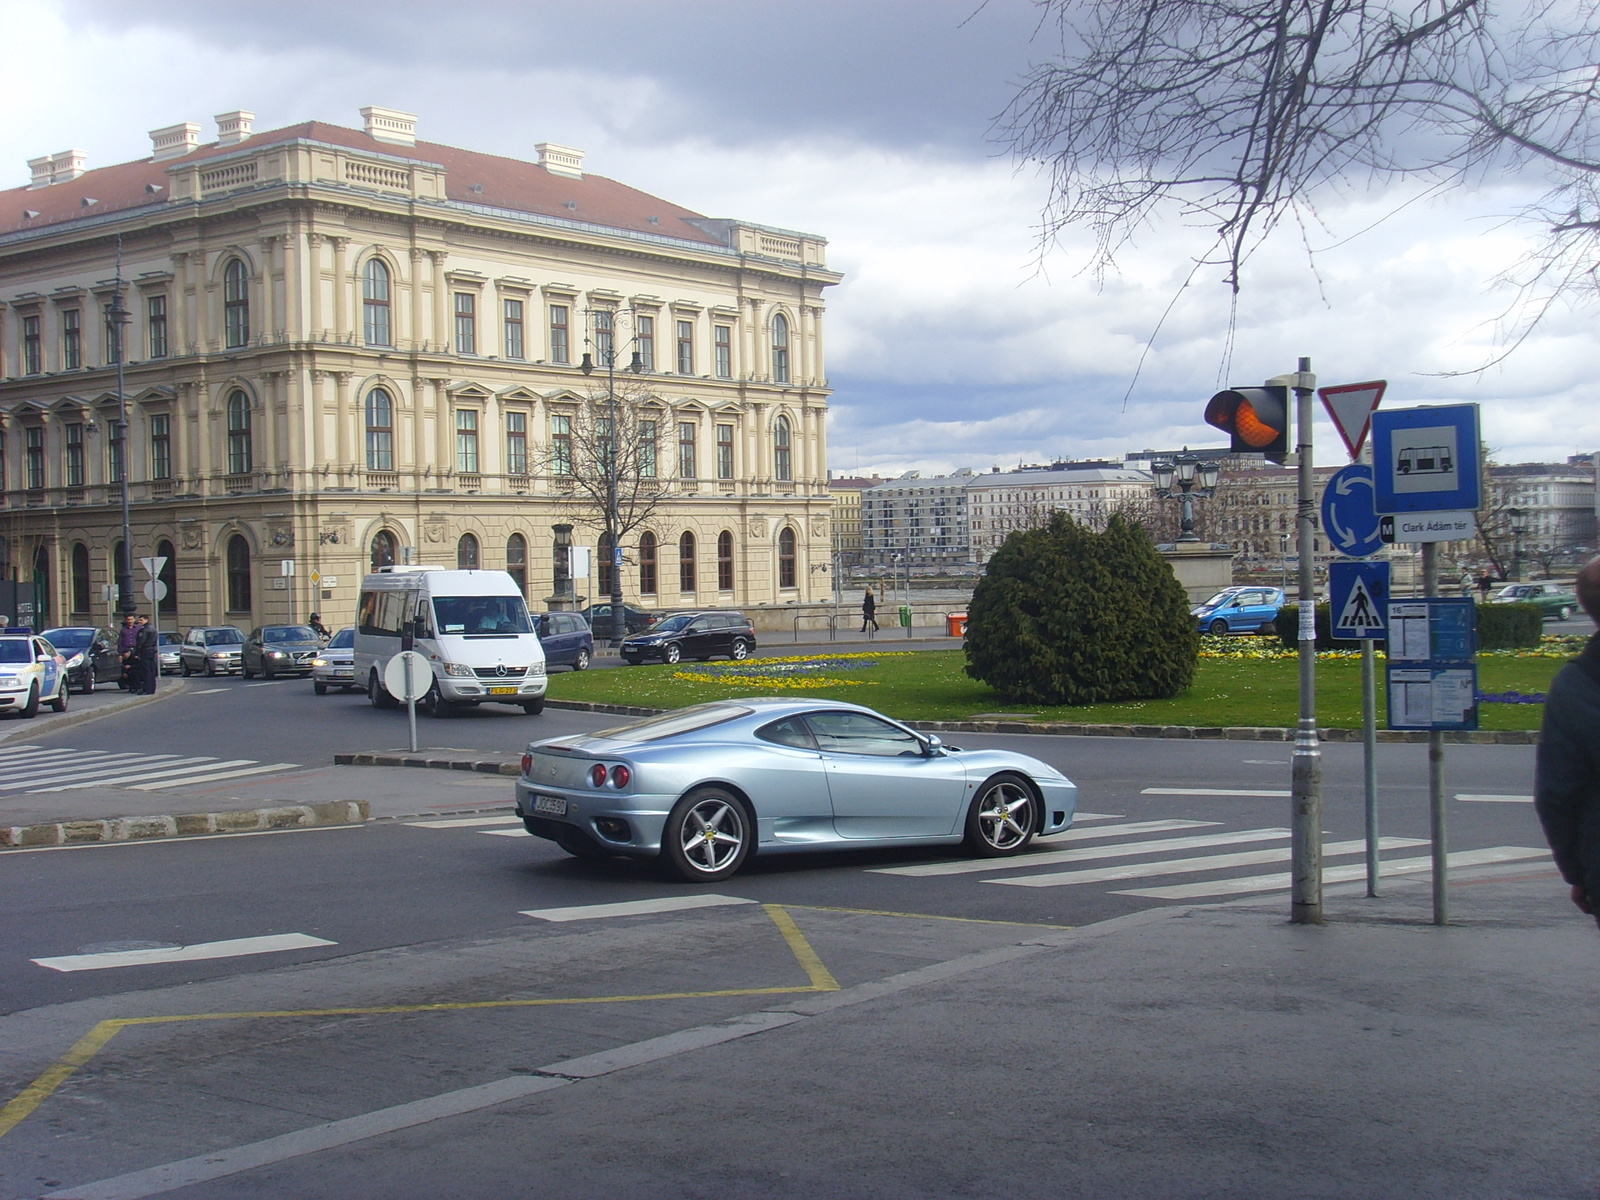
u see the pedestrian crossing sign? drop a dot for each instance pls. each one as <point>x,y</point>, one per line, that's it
<point>1358,594</point>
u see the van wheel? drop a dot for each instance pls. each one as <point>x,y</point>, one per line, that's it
<point>581,663</point>
<point>534,707</point>
<point>435,703</point>
<point>376,693</point>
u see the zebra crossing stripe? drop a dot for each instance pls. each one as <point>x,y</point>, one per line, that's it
<point>1204,862</point>
<point>117,775</point>
<point>108,767</point>
<point>36,762</point>
<point>1084,854</point>
<point>264,769</point>
<point>1282,882</point>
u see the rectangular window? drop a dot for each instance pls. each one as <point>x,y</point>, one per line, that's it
<point>71,339</point>
<point>467,441</point>
<point>156,318</point>
<point>559,342</point>
<point>724,451</point>
<point>516,443</point>
<point>647,449</point>
<point>35,457</point>
<point>685,347</point>
<point>160,446</point>
<point>604,337</point>
<point>74,454</point>
<point>686,457</point>
<point>647,343</point>
<point>724,339</point>
<point>561,445</point>
<point>466,323</point>
<point>32,349</point>
<point>513,346</point>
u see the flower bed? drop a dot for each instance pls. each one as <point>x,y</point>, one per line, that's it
<point>800,673</point>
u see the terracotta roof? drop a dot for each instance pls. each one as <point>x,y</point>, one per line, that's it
<point>506,182</point>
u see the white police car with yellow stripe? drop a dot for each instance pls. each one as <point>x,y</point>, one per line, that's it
<point>32,672</point>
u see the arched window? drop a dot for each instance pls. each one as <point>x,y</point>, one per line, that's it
<point>375,296</point>
<point>235,304</point>
<point>168,604</point>
<point>605,566</point>
<point>725,561</point>
<point>647,564</point>
<point>467,552</point>
<point>80,578</point>
<point>41,588</point>
<point>782,455</point>
<point>240,459</point>
<point>780,349</point>
<point>380,430</point>
<point>384,549</point>
<point>517,561</point>
<point>686,563</point>
<point>786,558</point>
<point>238,574</point>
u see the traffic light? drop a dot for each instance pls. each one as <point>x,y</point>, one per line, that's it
<point>1257,418</point>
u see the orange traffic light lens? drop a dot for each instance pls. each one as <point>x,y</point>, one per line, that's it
<point>1252,430</point>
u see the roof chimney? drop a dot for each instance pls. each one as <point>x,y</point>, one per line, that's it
<point>234,127</point>
<point>58,167</point>
<point>174,141</point>
<point>560,160</point>
<point>390,125</point>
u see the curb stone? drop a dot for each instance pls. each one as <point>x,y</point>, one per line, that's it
<point>80,716</point>
<point>485,766</point>
<point>140,829</point>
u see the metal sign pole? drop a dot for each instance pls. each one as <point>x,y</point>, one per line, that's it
<point>1369,758</point>
<point>1436,813</point>
<point>411,705</point>
<point>1306,772</point>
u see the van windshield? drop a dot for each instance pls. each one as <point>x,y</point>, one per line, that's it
<point>478,616</point>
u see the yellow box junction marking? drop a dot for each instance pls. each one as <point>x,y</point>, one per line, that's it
<point>85,1048</point>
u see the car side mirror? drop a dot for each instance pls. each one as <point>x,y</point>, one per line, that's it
<point>934,745</point>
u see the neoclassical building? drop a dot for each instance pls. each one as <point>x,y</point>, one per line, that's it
<point>348,347</point>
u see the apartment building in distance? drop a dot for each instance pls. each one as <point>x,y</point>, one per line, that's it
<point>349,347</point>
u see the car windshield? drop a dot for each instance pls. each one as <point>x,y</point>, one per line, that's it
<point>68,639</point>
<point>343,640</point>
<point>16,650</point>
<point>170,639</point>
<point>475,616</point>
<point>672,624</point>
<point>685,720</point>
<point>288,633</point>
<point>223,637</point>
<point>1219,599</point>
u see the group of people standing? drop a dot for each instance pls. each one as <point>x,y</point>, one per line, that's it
<point>139,647</point>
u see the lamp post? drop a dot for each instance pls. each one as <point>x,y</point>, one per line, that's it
<point>119,318</point>
<point>1518,529</point>
<point>608,351</point>
<point>1194,479</point>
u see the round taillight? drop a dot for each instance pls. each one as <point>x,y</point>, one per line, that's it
<point>597,775</point>
<point>527,763</point>
<point>620,776</point>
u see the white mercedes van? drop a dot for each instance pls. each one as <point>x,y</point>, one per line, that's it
<point>472,626</point>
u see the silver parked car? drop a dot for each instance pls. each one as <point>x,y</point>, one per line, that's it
<point>334,667</point>
<point>211,650</point>
<point>705,787</point>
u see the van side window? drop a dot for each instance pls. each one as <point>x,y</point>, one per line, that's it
<point>367,614</point>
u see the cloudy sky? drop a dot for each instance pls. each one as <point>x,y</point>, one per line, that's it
<point>952,342</point>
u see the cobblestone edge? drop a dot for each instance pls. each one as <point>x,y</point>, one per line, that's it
<point>140,829</point>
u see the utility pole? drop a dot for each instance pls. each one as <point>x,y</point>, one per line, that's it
<point>119,319</point>
<point>1306,771</point>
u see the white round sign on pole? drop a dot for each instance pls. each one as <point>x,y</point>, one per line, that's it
<point>155,591</point>
<point>394,676</point>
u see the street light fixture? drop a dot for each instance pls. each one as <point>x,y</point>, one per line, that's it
<point>1518,529</point>
<point>608,351</point>
<point>119,318</point>
<point>1182,470</point>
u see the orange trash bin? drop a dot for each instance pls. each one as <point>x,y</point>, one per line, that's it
<point>956,624</point>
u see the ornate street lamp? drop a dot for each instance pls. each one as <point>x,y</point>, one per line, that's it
<point>1518,528</point>
<point>1194,479</point>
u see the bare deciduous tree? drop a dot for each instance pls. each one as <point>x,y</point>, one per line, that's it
<point>1239,115</point>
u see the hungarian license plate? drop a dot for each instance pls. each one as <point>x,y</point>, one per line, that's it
<point>344,671</point>
<point>554,805</point>
<point>502,691</point>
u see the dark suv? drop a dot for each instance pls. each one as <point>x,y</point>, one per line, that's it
<point>697,635</point>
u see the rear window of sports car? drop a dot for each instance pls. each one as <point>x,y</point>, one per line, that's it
<point>684,720</point>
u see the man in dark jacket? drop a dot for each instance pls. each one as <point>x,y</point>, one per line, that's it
<point>1566,788</point>
<point>147,648</point>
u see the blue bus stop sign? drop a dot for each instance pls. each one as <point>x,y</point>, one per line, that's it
<point>1426,459</point>
<point>1349,516</point>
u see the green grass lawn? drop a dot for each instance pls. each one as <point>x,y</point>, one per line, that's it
<point>932,685</point>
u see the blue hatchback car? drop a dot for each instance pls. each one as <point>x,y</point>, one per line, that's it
<point>566,639</point>
<point>1248,609</point>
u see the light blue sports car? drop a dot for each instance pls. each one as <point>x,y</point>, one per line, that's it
<point>705,787</point>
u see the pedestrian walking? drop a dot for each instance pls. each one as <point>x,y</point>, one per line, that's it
<point>1566,780</point>
<point>869,612</point>
<point>126,637</point>
<point>147,648</point>
<point>1485,584</point>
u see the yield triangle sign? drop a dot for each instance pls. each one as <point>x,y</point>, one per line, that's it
<point>1351,406</point>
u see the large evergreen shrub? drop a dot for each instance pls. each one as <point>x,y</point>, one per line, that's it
<point>1065,615</point>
